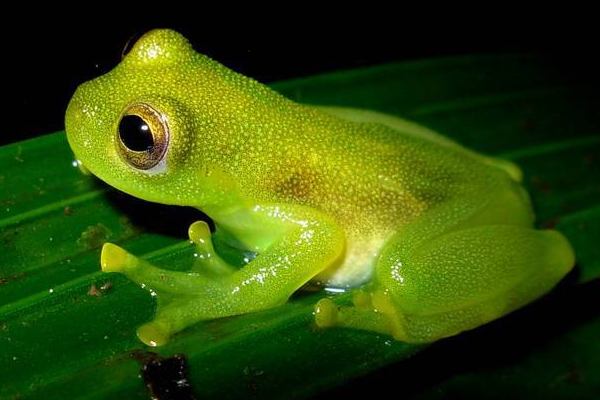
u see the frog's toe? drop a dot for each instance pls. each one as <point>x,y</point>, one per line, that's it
<point>199,233</point>
<point>361,315</point>
<point>207,260</point>
<point>115,259</point>
<point>326,313</point>
<point>153,334</point>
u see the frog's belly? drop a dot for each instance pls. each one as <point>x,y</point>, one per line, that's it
<point>358,264</point>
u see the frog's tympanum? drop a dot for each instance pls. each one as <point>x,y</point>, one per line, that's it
<point>433,238</point>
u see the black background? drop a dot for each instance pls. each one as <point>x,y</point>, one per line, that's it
<point>43,66</point>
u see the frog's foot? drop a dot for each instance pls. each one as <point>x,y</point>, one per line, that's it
<point>183,297</point>
<point>363,315</point>
<point>207,267</point>
<point>152,278</point>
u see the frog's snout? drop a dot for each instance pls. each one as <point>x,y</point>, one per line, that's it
<point>74,115</point>
<point>82,121</point>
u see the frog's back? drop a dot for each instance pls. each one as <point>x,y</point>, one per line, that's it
<point>376,175</point>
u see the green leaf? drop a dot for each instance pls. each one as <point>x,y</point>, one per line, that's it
<point>68,331</point>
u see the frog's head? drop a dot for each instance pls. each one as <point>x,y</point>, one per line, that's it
<point>159,122</point>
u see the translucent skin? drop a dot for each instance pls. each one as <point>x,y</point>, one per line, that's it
<point>442,237</point>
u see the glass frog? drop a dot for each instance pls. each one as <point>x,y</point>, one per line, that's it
<point>433,238</point>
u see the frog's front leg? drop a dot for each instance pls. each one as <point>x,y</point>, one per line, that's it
<point>306,242</point>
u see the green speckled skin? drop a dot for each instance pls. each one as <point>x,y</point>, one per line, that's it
<point>440,238</point>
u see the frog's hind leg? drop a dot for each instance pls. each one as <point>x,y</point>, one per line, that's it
<point>425,290</point>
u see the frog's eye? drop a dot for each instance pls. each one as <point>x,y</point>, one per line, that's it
<point>143,136</point>
<point>131,42</point>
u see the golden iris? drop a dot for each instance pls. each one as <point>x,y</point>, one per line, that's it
<point>143,136</point>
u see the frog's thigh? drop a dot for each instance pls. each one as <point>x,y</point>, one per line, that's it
<point>458,281</point>
<point>465,278</point>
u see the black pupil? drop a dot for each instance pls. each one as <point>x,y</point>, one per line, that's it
<point>135,133</point>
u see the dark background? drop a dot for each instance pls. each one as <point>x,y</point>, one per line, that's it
<point>45,65</point>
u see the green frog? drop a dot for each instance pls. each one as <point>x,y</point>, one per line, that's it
<point>432,238</point>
